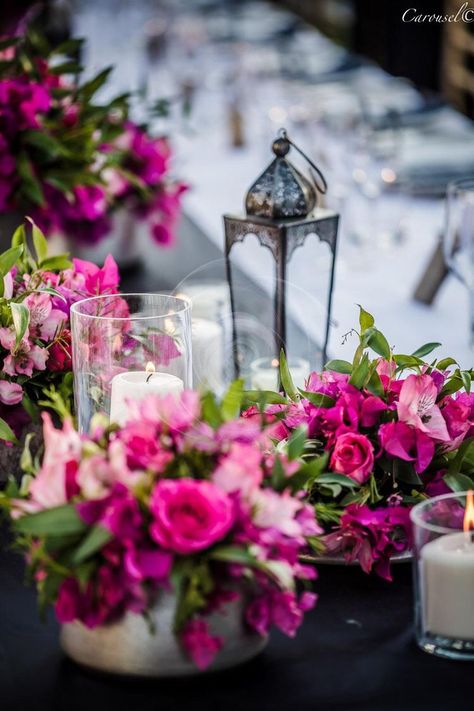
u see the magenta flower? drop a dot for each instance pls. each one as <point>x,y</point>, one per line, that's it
<point>401,441</point>
<point>189,515</point>
<point>98,280</point>
<point>199,644</point>
<point>353,455</point>
<point>417,406</point>
<point>239,470</point>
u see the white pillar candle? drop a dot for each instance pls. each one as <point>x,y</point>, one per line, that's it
<point>210,300</point>
<point>447,586</point>
<point>208,354</point>
<point>264,373</point>
<point>135,386</point>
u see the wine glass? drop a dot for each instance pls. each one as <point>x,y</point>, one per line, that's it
<point>458,238</point>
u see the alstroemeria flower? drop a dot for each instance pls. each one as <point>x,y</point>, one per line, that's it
<point>23,358</point>
<point>10,393</point>
<point>417,406</point>
<point>400,440</point>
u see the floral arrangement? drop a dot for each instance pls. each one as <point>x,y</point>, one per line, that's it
<point>68,161</point>
<point>377,436</point>
<point>37,292</point>
<point>185,496</point>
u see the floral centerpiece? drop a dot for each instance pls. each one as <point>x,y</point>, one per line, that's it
<point>35,341</point>
<point>377,436</point>
<point>185,497</point>
<point>69,161</point>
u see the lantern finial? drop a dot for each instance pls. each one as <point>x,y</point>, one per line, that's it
<point>281,191</point>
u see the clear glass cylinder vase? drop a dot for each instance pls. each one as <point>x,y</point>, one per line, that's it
<point>444,577</point>
<point>126,346</point>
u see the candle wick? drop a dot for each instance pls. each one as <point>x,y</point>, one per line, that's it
<point>148,377</point>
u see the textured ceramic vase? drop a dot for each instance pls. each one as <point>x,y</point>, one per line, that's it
<point>129,648</point>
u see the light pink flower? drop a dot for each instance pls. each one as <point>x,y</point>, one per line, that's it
<point>278,511</point>
<point>44,320</point>
<point>49,487</point>
<point>189,515</point>
<point>10,393</point>
<point>23,358</point>
<point>353,455</point>
<point>239,470</point>
<point>417,406</point>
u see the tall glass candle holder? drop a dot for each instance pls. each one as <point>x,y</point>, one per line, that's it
<point>125,347</point>
<point>444,575</point>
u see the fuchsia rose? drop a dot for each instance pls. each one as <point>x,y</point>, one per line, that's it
<point>189,515</point>
<point>353,456</point>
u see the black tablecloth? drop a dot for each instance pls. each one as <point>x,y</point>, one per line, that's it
<point>355,652</point>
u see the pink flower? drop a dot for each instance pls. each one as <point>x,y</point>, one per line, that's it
<point>417,406</point>
<point>407,443</point>
<point>49,487</point>
<point>353,455</point>
<point>98,280</point>
<point>189,515</point>
<point>258,614</point>
<point>239,470</point>
<point>456,413</point>
<point>60,353</point>
<point>199,644</point>
<point>148,564</point>
<point>10,393</point>
<point>25,357</point>
<point>44,320</point>
<point>278,511</point>
<point>68,601</point>
<point>143,448</point>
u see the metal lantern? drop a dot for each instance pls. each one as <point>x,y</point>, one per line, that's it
<point>281,212</point>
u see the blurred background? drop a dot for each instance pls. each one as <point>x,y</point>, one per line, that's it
<point>382,105</point>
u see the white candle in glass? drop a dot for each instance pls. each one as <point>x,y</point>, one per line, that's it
<point>135,385</point>
<point>447,586</point>
<point>264,373</point>
<point>208,354</point>
<point>210,299</point>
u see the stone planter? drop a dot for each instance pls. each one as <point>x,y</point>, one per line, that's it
<point>128,647</point>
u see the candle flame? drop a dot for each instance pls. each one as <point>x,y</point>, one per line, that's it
<point>275,362</point>
<point>468,523</point>
<point>150,368</point>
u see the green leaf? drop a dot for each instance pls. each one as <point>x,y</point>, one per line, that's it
<point>317,399</point>
<point>452,385</point>
<point>9,258</point>
<point>340,479</point>
<point>21,319</point>
<point>6,432</point>
<point>30,186</point>
<point>366,320</point>
<point>339,366</point>
<point>232,400</point>
<point>425,349</point>
<point>19,237</point>
<point>70,67</point>
<point>445,363</point>
<point>264,396</point>
<point>375,385</point>
<point>465,450</point>
<point>233,554</point>
<point>39,241</point>
<point>407,361</point>
<point>62,520</point>
<point>458,482</point>
<point>377,341</point>
<point>44,142</point>
<point>56,264</point>
<point>211,412</point>
<point>88,89</point>
<point>286,379</point>
<point>360,373</point>
<point>466,380</point>
<point>68,47</point>
<point>310,471</point>
<point>297,442</point>
<point>95,539</point>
